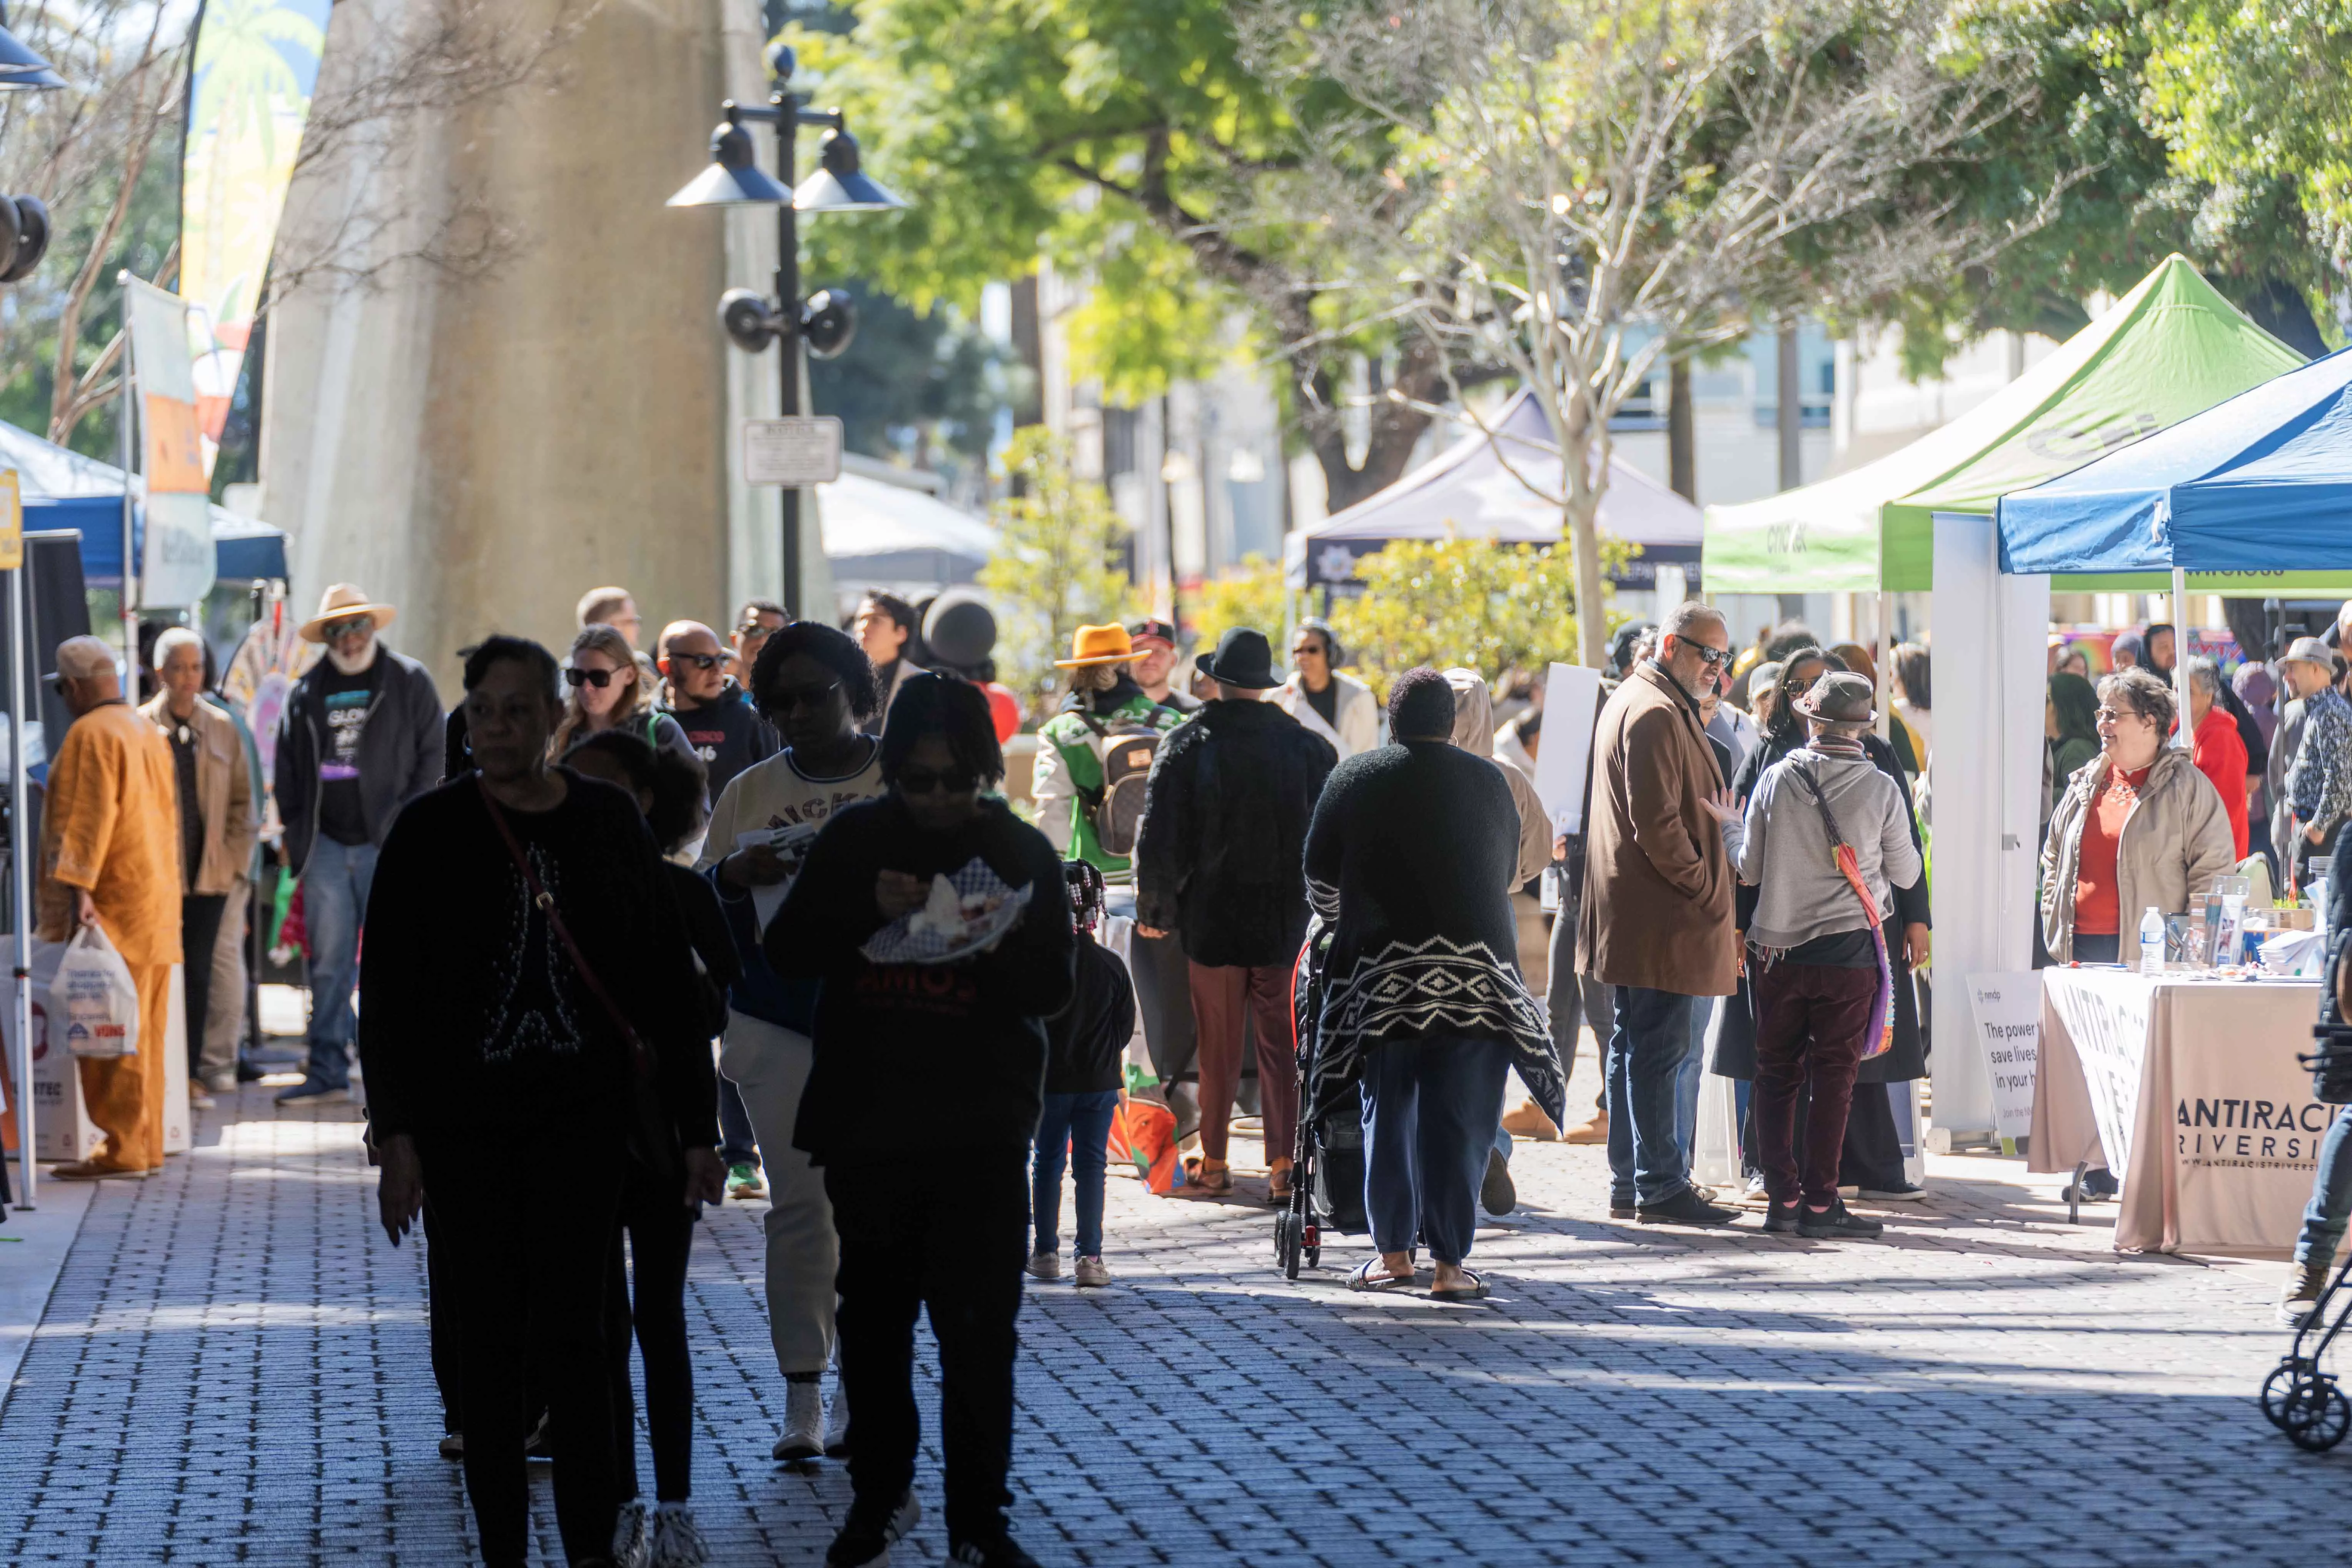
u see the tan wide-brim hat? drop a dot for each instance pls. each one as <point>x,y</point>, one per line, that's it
<point>340,602</point>
<point>1099,645</point>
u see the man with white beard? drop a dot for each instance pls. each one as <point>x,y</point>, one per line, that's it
<point>360,738</point>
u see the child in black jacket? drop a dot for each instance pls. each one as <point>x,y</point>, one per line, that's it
<point>1083,1046</point>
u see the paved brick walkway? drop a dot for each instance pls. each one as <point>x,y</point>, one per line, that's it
<point>233,1370</point>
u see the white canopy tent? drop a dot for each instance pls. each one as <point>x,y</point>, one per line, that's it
<point>882,532</point>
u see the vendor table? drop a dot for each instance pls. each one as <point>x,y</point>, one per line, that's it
<point>2187,1088</point>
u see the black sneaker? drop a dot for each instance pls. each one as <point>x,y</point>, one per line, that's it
<point>1621,1208</point>
<point>866,1539</point>
<point>1497,1194</point>
<point>1834,1221</point>
<point>1686,1208</point>
<point>1002,1552</point>
<point>1780,1217</point>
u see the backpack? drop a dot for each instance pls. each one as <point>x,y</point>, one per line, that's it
<point>1115,810</point>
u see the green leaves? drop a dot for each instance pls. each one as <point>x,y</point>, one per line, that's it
<point>1056,567</point>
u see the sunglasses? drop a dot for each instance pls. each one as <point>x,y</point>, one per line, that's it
<point>1714,657</point>
<point>335,631</point>
<point>699,660</point>
<point>599,678</point>
<point>785,698</point>
<point>924,781</point>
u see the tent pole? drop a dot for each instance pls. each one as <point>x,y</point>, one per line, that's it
<point>20,881</point>
<point>130,402</point>
<point>1885,640</point>
<point>2181,654</point>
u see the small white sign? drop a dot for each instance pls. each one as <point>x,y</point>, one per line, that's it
<point>1571,694</point>
<point>802,451</point>
<point>2008,1011</point>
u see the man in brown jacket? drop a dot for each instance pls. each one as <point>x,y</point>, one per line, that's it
<point>1655,922</point>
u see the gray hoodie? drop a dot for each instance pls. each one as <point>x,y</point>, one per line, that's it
<point>1784,850</point>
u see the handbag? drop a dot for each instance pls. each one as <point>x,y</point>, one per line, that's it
<point>653,1143</point>
<point>1879,1038</point>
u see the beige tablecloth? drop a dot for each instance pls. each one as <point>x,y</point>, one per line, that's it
<point>2188,1089</point>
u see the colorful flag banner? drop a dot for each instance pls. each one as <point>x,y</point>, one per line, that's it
<point>175,566</point>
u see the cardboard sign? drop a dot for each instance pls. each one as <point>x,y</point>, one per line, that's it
<point>1571,697</point>
<point>2008,1013</point>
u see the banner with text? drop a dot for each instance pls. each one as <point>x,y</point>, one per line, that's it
<point>2008,1011</point>
<point>175,565</point>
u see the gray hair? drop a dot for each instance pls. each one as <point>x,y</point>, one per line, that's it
<point>174,637</point>
<point>2205,675</point>
<point>1690,613</point>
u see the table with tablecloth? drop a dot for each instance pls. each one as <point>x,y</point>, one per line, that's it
<point>2187,1088</point>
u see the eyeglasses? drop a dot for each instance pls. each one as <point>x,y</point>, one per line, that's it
<point>699,660</point>
<point>784,698</point>
<point>335,631</point>
<point>580,676</point>
<point>754,629</point>
<point>924,781</point>
<point>2111,715</point>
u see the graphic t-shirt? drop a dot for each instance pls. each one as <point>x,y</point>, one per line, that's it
<point>348,699</point>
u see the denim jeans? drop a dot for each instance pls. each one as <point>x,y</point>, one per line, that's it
<point>1076,1130</point>
<point>1646,1052</point>
<point>1430,1110</point>
<point>1687,1080</point>
<point>2331,1195</point>
<point>335,882</point>
<point>1570,999</point>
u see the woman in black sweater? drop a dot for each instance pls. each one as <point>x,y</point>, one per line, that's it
<point>490,1052</point>
<point>948,1059</point>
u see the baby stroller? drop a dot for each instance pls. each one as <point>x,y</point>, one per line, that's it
<point>1327,1174</point>
<point>2301,1400</point>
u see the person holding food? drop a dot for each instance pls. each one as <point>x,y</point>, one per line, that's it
<point>816,685</point>
<point>938,922</point>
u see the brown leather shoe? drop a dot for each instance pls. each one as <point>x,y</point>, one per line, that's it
<point>1593,1131</point>
<point>1529,1122</point>
<point>93,1171</point>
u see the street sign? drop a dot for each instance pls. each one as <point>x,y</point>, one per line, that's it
<point>804,450</point>
<point>12,522</point>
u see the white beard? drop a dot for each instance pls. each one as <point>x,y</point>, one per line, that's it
<point>353,665</point>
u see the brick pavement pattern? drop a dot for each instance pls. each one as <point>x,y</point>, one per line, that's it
<point>233,1370</point>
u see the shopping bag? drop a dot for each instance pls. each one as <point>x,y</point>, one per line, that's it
<point>93,993</point>
<point>1144,1135</point>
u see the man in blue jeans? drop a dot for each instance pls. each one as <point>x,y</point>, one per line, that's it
<point>2331,1186</point>
<point>1655,922</point>
<point>361,736</point>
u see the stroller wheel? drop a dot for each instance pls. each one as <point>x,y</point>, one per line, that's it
<point>2317,1415</point>
<point>1286,1244</point>
<point>1315,1257</point>
<point>2278,1386</point>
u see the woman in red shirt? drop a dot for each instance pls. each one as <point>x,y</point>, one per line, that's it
<point>2216,748</point>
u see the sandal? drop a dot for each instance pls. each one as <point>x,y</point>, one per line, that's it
<point>1216,1179</point>
<point>1363,1279</point>
<point>1475,1290</point>
<point>1278,1189</point>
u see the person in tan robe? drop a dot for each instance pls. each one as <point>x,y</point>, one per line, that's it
<point>111,857</point>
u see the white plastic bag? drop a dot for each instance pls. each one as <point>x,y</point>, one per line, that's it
<point>93,995</point>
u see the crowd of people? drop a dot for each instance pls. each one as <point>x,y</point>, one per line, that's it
<point>680,923</point>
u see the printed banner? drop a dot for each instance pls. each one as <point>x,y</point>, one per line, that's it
<point>251,73</point>
<point>175,566</point>
<point>2105,1015</point>
<point>2008,1012</point>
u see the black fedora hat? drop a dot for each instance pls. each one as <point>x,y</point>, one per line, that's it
<point>1243,658</point>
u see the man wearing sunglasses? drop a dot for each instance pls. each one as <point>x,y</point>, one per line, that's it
<point>360,737</point>
<point>1655,921</point>
<point>719,720</point>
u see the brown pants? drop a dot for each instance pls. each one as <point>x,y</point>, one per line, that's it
<point>1221,996</point>
<point>125,1094</point>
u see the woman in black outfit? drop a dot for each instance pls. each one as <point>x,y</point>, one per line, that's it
<point>947,1233</point>
<point>493,1049</point>
<point>669,788</point>
<point>1873,1157</point>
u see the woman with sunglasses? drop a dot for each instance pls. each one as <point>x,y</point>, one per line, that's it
<point>947,1059</point>
<point>609,691</point>
<point>816,685</point>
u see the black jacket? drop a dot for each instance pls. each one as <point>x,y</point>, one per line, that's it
<point>1220,858</point>
<point>1085,1040</point>
<point>928,1057</point>
<point>401,755</point>
<point>726,733</point>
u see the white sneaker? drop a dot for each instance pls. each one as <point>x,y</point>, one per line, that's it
<point>803,1437</point>
<point>631,1539</point>
<point>1092,1275</point>
<point>1044,1266</point>
<point>678,1540</point>
<point>837,1424</point>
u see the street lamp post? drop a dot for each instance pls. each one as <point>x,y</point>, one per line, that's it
<point>824,323</point>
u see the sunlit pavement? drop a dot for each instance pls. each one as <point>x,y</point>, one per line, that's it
<point>232,1369</point>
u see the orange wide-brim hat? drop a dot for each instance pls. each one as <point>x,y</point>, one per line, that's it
<point>1098,644</point>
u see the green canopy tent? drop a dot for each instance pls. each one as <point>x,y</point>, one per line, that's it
<point>2171,348</point>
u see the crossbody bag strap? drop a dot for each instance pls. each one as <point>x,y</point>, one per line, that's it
<point>1842,854</point>
<point>546,901</point>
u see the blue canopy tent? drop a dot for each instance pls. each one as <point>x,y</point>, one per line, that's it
<point>63,489</point>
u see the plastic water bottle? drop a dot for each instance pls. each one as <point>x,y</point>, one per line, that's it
<point>2151,942</point>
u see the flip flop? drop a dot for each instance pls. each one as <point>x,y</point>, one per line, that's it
<point>1363,1279</point>
<point>1475,1291</point>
